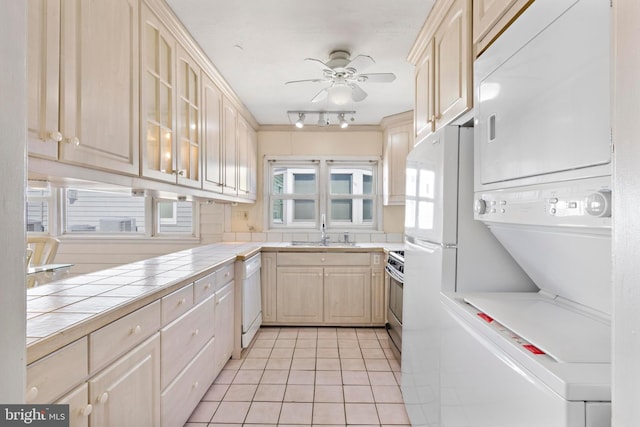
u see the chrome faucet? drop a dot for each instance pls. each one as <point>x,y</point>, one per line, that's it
<point>323,229</point>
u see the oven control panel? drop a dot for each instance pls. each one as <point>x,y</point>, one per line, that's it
<point>580,203</point>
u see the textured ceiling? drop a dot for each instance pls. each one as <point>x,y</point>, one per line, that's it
<point>258,45</point>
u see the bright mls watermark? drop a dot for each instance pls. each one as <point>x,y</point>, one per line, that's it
<point>34,415</point>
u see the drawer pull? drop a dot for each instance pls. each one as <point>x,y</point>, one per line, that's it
<point>86,411</point>
<point>196,384</point>
<point>182,301</point>
<point>226,274</point>
<point>322,259</point>
<point>217,301</point>
<point>32,394</point>
<point>103,397</point>
<point>207,286</point>
<point>136,330</point>
<point>195,332</point>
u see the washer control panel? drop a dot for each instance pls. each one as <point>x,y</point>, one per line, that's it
<point>580,203</point>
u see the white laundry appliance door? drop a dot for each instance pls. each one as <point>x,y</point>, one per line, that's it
<point>428,266</point>
<point>542,93</point>
<point>484,387</point>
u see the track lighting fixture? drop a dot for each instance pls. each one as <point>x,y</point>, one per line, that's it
<point>341,121</point>
<point>298,117</point>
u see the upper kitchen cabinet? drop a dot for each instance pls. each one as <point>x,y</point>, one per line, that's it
<point>158,51</point>
<point>398,142</point>
<point>213,162</point>
<point>99,84</point>
<point>230,172</point>
<point>188,108</point>
<point>492,17</point>
<point>246,161</point>
<point>171,150</point>
<point>230,144</point>
<point>43,56</point>
<point>442,55</point>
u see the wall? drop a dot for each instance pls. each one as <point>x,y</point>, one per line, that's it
<point>626,222</point>
<point>246,222</point>
<point>13,136</point>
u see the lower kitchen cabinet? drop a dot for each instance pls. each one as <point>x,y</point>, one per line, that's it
<point>79,409</point>
<point>347,295</point>
<point>324,288</point>
<point>378,304</point>
<point>224,326</point>
<point>299,294</point>
<point>127,393</point>
<point>183,394</point>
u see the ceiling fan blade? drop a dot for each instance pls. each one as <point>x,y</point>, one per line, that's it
<point>317,61</point>
<point>357,94</point>
<point>376,78</point>
<point>320,96</point>
<point>307,80</point>
<point>360,62</point>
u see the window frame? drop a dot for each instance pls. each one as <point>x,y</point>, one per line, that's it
<point>323,195</point>
<point>58,220</point>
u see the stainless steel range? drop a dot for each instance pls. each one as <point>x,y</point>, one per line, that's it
<point>395,270</point>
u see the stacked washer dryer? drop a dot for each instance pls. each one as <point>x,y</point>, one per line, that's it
<point>543,187</point>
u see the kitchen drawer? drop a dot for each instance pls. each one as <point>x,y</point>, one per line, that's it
<point>111,341</point>
<point>224,275</point>
<point>184,338</point>
<point>177,303</point>
<point>182,396</point>
<point>323,258</point>
<point>204,288</point>
<point>49,378</point>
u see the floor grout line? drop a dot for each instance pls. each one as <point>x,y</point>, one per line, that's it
<point>302,337</point>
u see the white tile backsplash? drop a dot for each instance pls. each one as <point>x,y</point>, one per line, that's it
<point>336,237</point>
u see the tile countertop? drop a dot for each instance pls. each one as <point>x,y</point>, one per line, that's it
<point>61,312</point>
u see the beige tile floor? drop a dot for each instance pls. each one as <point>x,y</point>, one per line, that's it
<point>308,376</point>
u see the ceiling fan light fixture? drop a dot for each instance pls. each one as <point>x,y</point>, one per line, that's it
<point>340,94</point>
<point>300,121</point>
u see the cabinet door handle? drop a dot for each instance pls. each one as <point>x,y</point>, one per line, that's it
<point>103,397</point>
<point>32,394</point>
<point>196,384</point>
<point>55,136</point>
<point>73,141</point>
<point>86,411</point>
<point>136,330</point>
<point>195,332</point>
<point>182,301</point>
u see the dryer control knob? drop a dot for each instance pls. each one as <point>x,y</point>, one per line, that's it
<point>480,206</point>
<point>599,204</point>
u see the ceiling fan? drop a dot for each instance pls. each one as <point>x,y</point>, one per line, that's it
<point>342,73</point>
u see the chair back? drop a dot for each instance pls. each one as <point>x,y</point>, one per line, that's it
<point>43,249</point>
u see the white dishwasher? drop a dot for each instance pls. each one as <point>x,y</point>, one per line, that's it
<point>251,299</point>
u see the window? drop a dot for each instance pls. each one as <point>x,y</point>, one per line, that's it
<point>174,216</point>
<point>104,212</point>
<point>294,190</point>
<point>37,209</point>
<point>301,191</point>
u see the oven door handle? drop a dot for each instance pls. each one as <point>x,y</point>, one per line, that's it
<point>394,275</point>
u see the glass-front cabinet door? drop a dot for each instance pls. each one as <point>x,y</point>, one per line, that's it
<point>188,101</point>
<point>158,89</point>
